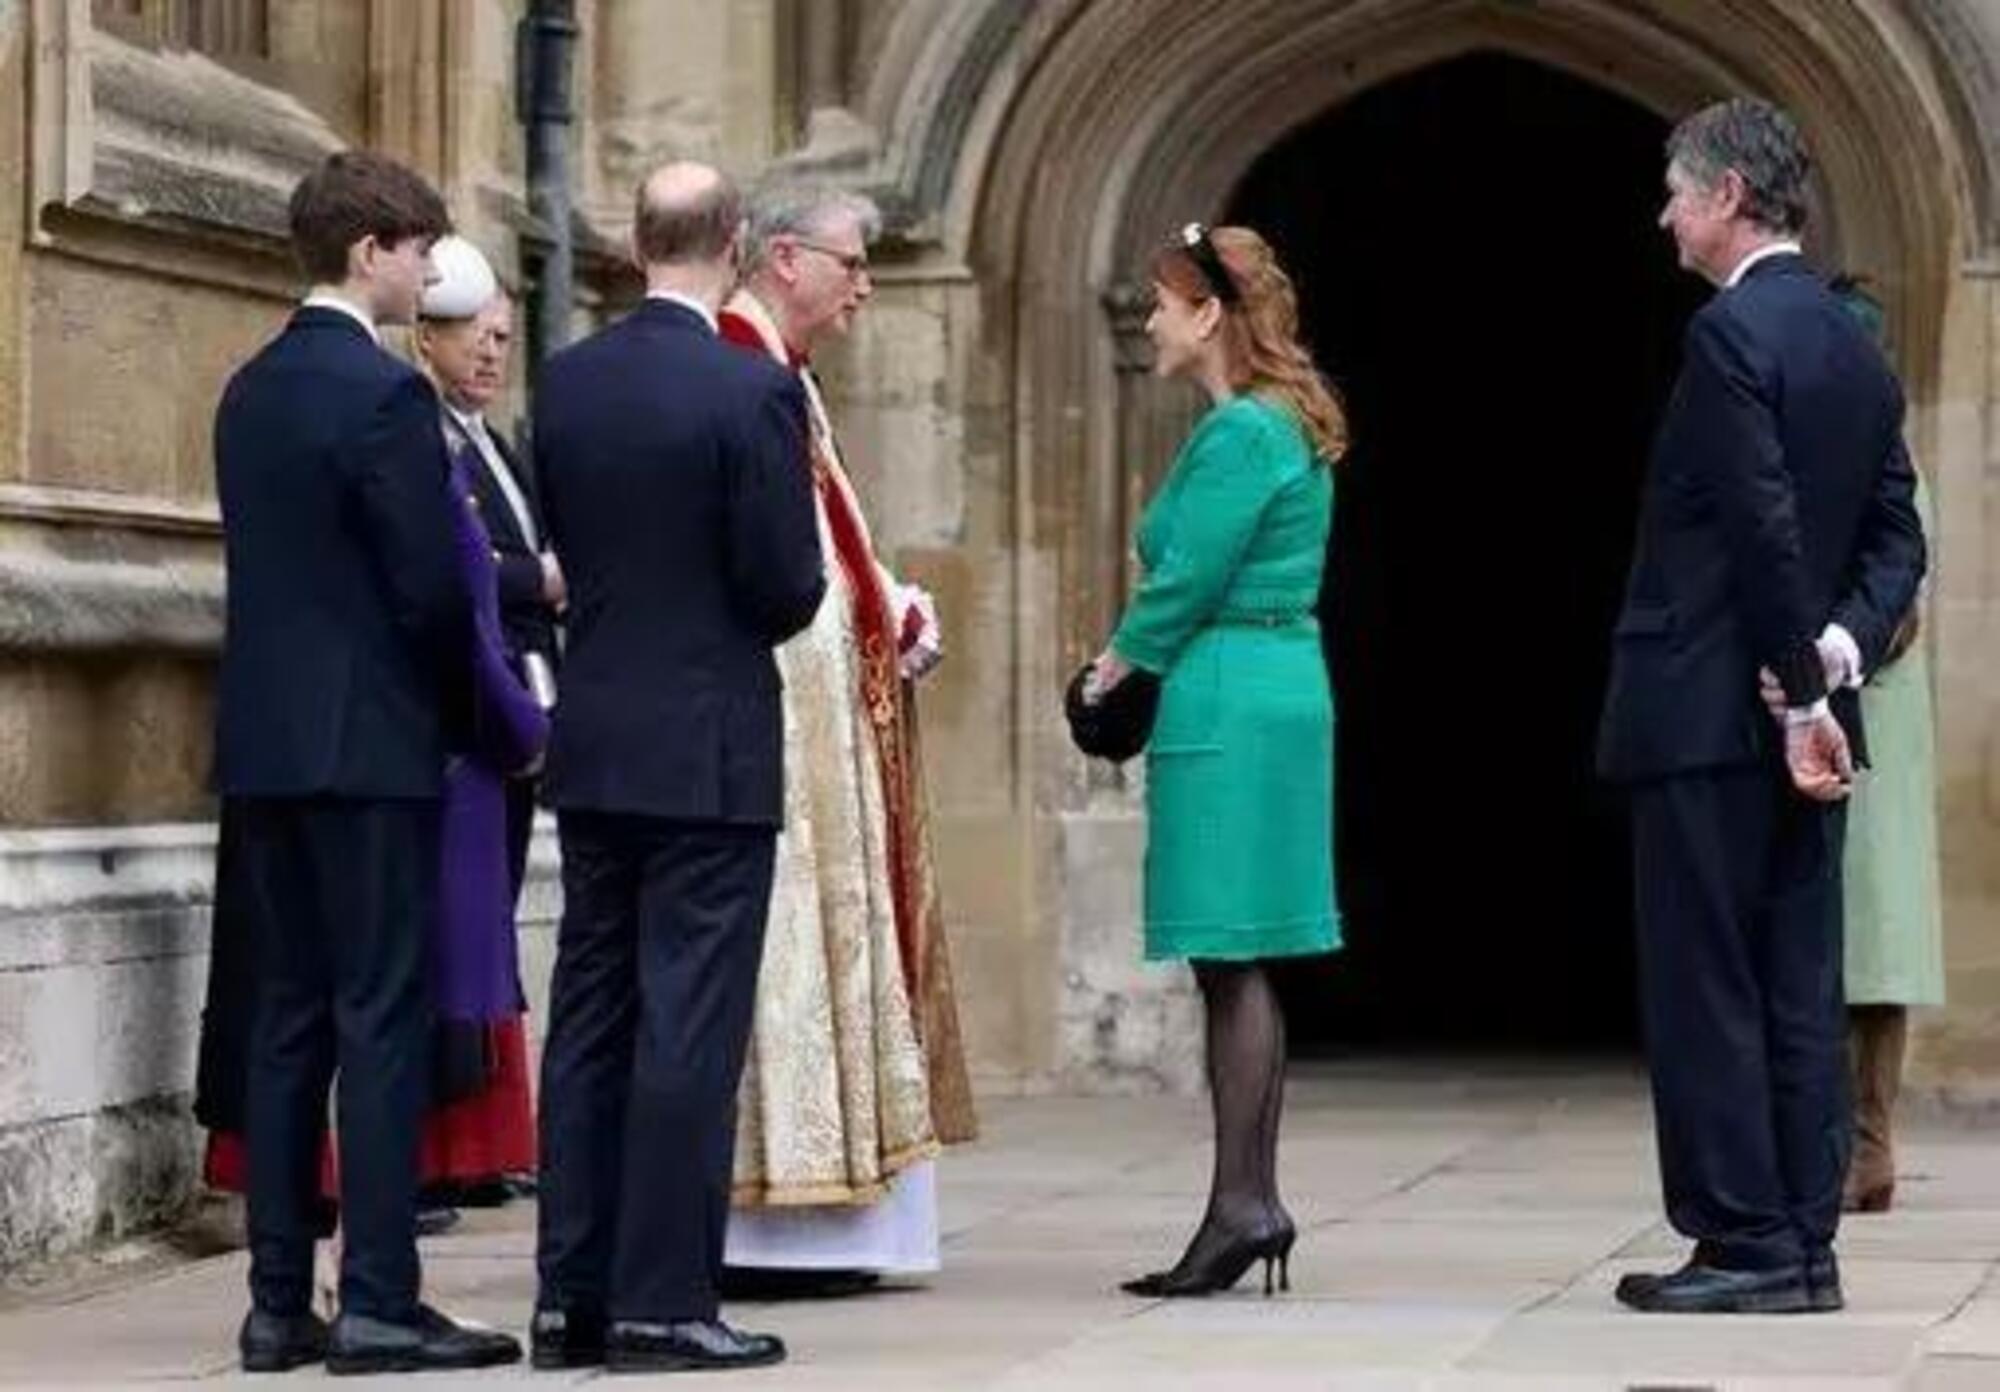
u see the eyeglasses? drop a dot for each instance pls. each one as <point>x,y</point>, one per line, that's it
<point>1195,242</point>
<point>855,263</point>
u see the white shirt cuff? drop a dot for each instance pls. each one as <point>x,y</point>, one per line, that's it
<point>1847,650</point>
<point>1806,715</point>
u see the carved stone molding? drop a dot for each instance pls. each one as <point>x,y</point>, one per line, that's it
<point>53,603</point>
<point>900,142</point>
<point>1127,306</point>
<point>102,868</point>
<point>161,139</point>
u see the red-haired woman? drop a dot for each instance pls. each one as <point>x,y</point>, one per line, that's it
<point>1239,769</point>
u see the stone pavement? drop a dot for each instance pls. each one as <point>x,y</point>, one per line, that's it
<point>1462,1230</point>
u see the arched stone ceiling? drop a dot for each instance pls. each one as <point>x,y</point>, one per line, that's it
<point>963,91</point>
<point>1047,142</point>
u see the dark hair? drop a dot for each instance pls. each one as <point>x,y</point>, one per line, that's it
<point>356,194</point>
<point>1260,329</point>
<point>696,228</point>
<point>1762,144</point>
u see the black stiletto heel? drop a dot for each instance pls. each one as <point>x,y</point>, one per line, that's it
<point>1222,1270</point>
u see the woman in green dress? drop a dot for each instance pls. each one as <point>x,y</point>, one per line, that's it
<point>1239,769</point>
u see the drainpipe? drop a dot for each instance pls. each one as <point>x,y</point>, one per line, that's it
<point>543,45</point>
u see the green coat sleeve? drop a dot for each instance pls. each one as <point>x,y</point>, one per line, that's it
<point>1226,479</point>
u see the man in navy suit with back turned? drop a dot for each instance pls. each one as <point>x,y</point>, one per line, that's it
<point>1777,535</point>
<point>672,476</point>
<point>345,665</point>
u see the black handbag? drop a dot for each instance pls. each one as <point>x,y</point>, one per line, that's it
<point>1119,724</point>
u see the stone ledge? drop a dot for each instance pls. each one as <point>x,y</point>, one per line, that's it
<point>51,603</point>
<point>104,869</point>
<point>177,137</point>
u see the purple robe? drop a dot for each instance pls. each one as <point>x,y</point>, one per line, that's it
<point>475,974</point>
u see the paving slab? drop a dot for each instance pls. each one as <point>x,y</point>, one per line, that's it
<point>1461,1229</point>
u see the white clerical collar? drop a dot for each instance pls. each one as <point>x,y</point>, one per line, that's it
<point>1762,253</point>
<point>686,302</point>
<point>327,299</point>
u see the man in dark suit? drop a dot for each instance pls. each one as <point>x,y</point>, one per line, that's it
<point>672,477</point>
<point>1777,532</point>
<point>344,666</point>
<point>464,338</point>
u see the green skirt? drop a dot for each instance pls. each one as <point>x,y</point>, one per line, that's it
<point>1239,800</point>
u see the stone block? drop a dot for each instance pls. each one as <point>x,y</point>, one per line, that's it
<point>48,1202</point>
<point>72,1180</point>
<point>149,1023</point>
<point>1123,1025</point>
<point>48,1043</point>
<point>145,1163</point>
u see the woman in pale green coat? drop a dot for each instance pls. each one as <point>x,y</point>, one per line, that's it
<point>1892,899</point>
<point>1239,769</point>
<point>1895,940</point>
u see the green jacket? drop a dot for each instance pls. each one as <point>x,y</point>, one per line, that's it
<point>1239,782</point>
<point>1893,901</point>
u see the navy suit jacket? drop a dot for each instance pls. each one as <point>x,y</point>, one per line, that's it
<point>1779,499</point>
<point>346,651</point>
<point>675,488</point>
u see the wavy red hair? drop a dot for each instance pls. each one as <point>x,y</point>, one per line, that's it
<point>1260,332</point>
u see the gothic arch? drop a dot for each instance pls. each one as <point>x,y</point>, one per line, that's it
<point>1030,151</point>
<point>1072,132</point>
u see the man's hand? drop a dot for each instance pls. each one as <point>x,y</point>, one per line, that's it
<point>921,638</point>
<point>1821,764</point>
<point>554,589</point>
<point>1837,659</point>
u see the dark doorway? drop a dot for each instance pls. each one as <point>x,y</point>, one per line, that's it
<point>1479,269</point>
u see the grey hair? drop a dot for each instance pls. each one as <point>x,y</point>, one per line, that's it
<point>1762,144</point>
<point>787,209</point>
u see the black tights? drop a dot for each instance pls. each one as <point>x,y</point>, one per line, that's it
<point>1246,1085</point>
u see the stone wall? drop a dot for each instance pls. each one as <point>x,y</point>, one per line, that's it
<point>103,966</point>
<point>103,943</point>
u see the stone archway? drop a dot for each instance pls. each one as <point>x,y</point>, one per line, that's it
<point>1035,149</point>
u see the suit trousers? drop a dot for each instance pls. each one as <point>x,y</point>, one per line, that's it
<point>341,895</point>
<point>1738,888</point>
<point>649,1018</point>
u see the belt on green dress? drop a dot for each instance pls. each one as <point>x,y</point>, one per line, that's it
<point>1241,618</point>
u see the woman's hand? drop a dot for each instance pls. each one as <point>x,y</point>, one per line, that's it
<point>1106,672</point>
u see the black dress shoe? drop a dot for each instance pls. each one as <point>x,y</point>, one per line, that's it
<point>685,1346</point>
<point>794,1283</point>
<point>361,1344</point>
<point>491,1192</point>
<point>565,1339</point>
<point>1823,1293</point>
<point>1697,1289</point>
<point>279,1343</point>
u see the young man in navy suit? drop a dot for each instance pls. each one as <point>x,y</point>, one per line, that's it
<point>1777,533</point>
<point>345,663</point>
<point>675,485</point>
